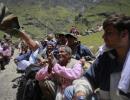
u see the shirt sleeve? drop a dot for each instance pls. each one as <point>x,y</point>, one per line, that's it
<point>7,52</point>
<point>23,56</point>
<point>42,73</point>
<point>70,73</point>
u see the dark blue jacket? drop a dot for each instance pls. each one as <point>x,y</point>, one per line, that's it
<point>83,51</point>
<point>100,71</point>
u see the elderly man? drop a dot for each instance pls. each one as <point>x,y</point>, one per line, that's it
<point>61,73</point>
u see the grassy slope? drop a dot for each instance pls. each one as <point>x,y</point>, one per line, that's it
<point>93,41</point>
<point>61,19</point>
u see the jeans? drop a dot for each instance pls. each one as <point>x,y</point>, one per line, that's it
<point>69,92</point>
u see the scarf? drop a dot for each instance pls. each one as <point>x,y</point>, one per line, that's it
<point>124,82</point>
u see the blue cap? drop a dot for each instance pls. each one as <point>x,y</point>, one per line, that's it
<point>51,43</point>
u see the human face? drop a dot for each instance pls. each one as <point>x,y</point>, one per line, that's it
<point>111,37</point>
<point>63,55</point>
<point>62,39</point>
<point>49,48</point>
<point>71,40</point>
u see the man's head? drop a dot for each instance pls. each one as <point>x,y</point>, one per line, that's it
<point>116,30</point>
<point>61,38</point>
<point>50,36</point>
<point>72,39</point>
<point>119,21</point>
<point>7,37</point>
<point>65,53</point>
<point>50,46</point>
<point>5,46</point>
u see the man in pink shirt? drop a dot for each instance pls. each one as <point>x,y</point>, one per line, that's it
<point>5,52</point>
<point>61,72</point>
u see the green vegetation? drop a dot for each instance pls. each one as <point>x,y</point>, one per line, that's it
<point>1,34</point>
<point>92,41</point>
<point>39,20</point>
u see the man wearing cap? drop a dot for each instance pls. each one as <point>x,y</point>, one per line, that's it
<point>79,51</point>
<point>61,39</point>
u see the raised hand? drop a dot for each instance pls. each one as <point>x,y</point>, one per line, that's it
<point>8,21</point>
<point>50,62</point>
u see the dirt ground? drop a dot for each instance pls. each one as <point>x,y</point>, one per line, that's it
<point>7,92</point>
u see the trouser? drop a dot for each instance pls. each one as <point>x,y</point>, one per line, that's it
<point>69,92</point>
<point>81,84</point>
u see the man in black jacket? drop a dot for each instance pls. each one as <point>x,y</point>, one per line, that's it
<point>106,72</point>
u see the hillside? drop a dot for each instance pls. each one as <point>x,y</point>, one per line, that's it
<point>39,17</point>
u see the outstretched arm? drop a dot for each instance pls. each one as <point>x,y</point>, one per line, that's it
<point>31,43</point>
<point>9,23</point>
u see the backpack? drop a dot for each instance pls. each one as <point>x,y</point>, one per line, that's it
<point>32,90</point>
<point>48,89</point>
<point>29,87</point>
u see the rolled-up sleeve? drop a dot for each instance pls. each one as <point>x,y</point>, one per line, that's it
<point>70,73</point>
<point>41,74</point>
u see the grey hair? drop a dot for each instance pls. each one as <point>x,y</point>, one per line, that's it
<point>67,49</point>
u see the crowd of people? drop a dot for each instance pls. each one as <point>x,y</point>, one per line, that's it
<point>62,63</point>
<point>61,59</point>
